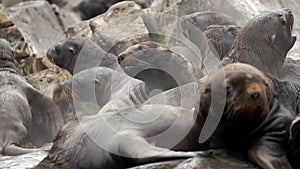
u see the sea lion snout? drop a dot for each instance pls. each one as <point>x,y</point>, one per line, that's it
<point>254,91</point>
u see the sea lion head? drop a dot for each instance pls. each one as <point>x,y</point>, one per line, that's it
<point>222,37</point>
<point>280,29</point>
<point>143,47</point>
<point>157,65</point>
<point>246,104</point>
<point>264,42</point>
<point>7,60</point>
<point>65,52</point>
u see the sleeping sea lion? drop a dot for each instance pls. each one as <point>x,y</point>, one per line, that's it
<point>253,120</point>
<point>78,53</point>
<point>264,41</point>
<point>157,66</point>
<point>26,115</point>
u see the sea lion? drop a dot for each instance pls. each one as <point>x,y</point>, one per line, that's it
<point>222,37</point>
<point>202,20</point>
<point>26,114</point>
<point>290,70</point>
<point>294,149</point>
<point>264,41</point>
<point>104,84</point>
<point>157,66</point>
<point>111,140</point>
<point>91,8</point>
<point>78,53</point>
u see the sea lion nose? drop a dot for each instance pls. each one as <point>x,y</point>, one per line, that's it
<point>254,90</point>
<point>254,94</point>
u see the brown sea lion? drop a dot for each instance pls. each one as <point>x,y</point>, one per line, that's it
<point>264,41</point>
<point>222,37</point>
<point>26,114</point>
<point>78,53</point>
<point>157,66</point>
<point>253,120</point>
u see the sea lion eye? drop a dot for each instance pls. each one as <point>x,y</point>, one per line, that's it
<point>228,88</point>
<point>56,48</point>
<point>207,89</point>
<point>144,50</point>
<point>120,59</point>
<point>72,50</point>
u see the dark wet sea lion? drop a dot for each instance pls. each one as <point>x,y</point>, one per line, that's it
<point>25,114</point>
<point>79,53</point>
<point>125,143</point>
<point>222,37</point>
<point>264,41</point>
<point>157,66</point>
<point>294,149</point>
<point>91,8</point>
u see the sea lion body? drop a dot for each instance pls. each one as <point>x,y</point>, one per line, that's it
<point>108,84</point>
<point>290,70</point>
<point>25,114</point>
<point>264,41</point>
<point>157,66</point>
<point>78,53</point>
<point>121,142</point>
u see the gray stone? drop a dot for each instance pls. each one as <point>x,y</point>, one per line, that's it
<point>118,35</point>
<point>37,23</point>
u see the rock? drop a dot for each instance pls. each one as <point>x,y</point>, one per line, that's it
<point>86,28</point>
<point>37,23</point>
<point>46,81</point>
<point>117,31</point>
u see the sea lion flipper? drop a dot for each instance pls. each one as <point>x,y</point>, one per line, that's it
<point>140,151</point>
<point>268,154</point>
<point>46,117</point>
<point>13,150</point>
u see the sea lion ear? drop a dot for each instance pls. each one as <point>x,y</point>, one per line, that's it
<point>273,37</point>
<point>46,117</point>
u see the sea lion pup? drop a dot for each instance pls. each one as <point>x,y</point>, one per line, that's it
<point>78,53</point>
<point>157,66</point>
<point>253,120</point>
<point>25,114</point>
<point>222,37</point>
<point>264,41</point>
